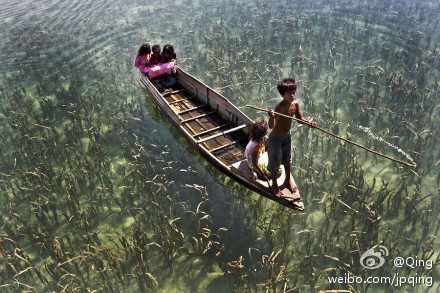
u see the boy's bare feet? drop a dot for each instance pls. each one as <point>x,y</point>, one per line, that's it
<point>291,186</point>
<point>277,191</point>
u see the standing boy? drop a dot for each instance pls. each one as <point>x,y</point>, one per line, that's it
<point>279,141</point>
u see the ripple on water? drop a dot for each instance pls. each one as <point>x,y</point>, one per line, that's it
<point>81,34</point>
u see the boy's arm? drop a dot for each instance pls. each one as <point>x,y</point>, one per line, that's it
<point>272,116</point>
<point>271,122</point>
<point>299,116</point>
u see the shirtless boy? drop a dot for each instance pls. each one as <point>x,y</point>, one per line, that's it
<point>279,141</point>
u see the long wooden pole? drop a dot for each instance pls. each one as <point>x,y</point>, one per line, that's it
<point>336,136</point>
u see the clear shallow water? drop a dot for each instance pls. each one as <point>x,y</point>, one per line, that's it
<point>99,192</point>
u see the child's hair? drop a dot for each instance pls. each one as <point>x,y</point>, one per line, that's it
<point>258,130</point>
<point>144,49</point>
<point>285,85</point>
<point>168,49</point>
<point>156,48</point>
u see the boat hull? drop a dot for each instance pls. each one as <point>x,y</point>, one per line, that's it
<point>216,129</point>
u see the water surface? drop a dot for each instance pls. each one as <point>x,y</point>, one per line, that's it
<point>99,192</point>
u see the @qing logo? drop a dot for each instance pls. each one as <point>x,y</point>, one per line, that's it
<point>373,260</point>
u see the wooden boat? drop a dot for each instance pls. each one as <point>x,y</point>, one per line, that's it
<point>217,129</point>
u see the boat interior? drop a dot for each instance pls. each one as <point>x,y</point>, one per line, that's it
<point>202,118</point>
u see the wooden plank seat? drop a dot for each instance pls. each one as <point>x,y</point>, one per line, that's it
<point>211,130</point>
<point>221,133</point>
<point>206,124</point>
<point>197,117</point>
<point>181,100</point>
<point>173,92</point>
<point>185,107</point>
<point>226,145</point>
<point>191,109</point>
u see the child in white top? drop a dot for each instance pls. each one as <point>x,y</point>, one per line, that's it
<point>255,147</point>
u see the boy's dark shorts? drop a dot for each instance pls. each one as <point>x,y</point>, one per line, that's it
<point>278,152</point>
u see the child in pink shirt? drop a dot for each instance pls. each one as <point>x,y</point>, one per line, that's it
<point>142,60</point>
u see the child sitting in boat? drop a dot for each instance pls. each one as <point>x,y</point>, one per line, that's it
<point>255,147</point>
<point>143,57</point>
<point>168,54</point>
<point>155,55</point>
<point>162,74</point>
<point>164,62</point>
<point>153,64</point>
